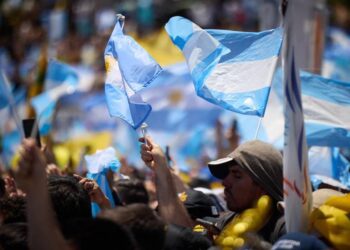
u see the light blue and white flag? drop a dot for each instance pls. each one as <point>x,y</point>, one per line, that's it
<point>98,165</point>
<point>129,69</point>
<point>231,69</point>
<point>61,79</point>
<point>296,180</point>
<point>326,104</point>
<point>326,111</point>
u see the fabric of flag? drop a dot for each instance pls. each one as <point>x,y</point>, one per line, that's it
<point>98,165</point>
<point>326,104</point>
<point>326,111</point>
<point>129,69</point>
<point>231,69</point>
<point>61,79</point>
<point>296,180</point>
<point>5,91</point>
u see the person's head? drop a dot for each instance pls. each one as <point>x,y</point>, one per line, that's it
<point>250,171</point>
<point>68,197</point>
<point>12,209</point>
<point>131,191</point>
<point>198,204</point>
<point>147,228</point>
<point>88,233</point>
<point>13,237</point>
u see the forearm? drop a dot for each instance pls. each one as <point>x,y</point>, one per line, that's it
<point>44,232</point>
<point>171,208</point>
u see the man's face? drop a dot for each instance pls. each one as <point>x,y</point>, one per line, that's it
<point>240,190</point>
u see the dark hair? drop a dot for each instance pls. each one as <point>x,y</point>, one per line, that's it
<point>131,191</point>
<point>13,209</point>
<point>97,233</point>
<point>2,188</point>
<point>68,198</point>
<point>14,237</point>
<point>147,228</point>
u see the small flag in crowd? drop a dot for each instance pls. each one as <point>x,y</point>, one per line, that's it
<point>231,69</point>
<point>98,165</point>
<point>129,69</point>
<point>296,180</point>
<point>61,79</point>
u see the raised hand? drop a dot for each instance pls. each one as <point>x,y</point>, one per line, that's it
<point>31,171</point>
<point>152,154</point>
<point>94,191</point>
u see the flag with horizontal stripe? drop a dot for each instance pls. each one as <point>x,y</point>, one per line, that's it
<point>231,69</point>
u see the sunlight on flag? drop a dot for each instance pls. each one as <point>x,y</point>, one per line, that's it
<point>231,69</point>
<point>129,69</point>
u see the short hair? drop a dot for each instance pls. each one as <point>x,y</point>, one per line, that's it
<point>131,191</point>
<point>68,198</point>
<point>147,228</point>
<point>14,236</point>
<point>13,209</point>
<point>88,233</point>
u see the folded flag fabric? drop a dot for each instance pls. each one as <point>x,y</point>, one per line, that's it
<point>129,69</point>
<point>98,165</point>
<point>61,79</point>
<point>231,69</point>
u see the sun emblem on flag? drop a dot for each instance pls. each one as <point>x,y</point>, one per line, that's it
<point>109,62</point>
<point>175,96</point>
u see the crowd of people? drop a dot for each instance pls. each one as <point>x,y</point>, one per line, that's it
<point>45,206</point>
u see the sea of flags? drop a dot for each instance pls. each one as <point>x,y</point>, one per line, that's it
<point>61,79</point>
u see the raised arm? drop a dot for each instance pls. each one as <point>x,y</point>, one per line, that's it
<point>43,233</point>
<point>170,207</point>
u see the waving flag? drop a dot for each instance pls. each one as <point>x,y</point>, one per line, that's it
<point>61,79</point>
<point>326,110</point>
<point>326,105</point>
<point>129,69</point>
<point>296,180</point>
<point>231,69</point>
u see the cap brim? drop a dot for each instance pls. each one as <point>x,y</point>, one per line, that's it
<point>220,168</point>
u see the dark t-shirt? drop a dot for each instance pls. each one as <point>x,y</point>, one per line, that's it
<point>273,229</point>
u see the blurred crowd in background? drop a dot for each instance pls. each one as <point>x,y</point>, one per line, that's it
<point>76,32</point>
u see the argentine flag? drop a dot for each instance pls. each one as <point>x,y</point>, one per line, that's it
<point>326,104</point>
<point>129,69</point>
<point>61,79</point>
<point>326,110</point>
<point>231,69</point>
